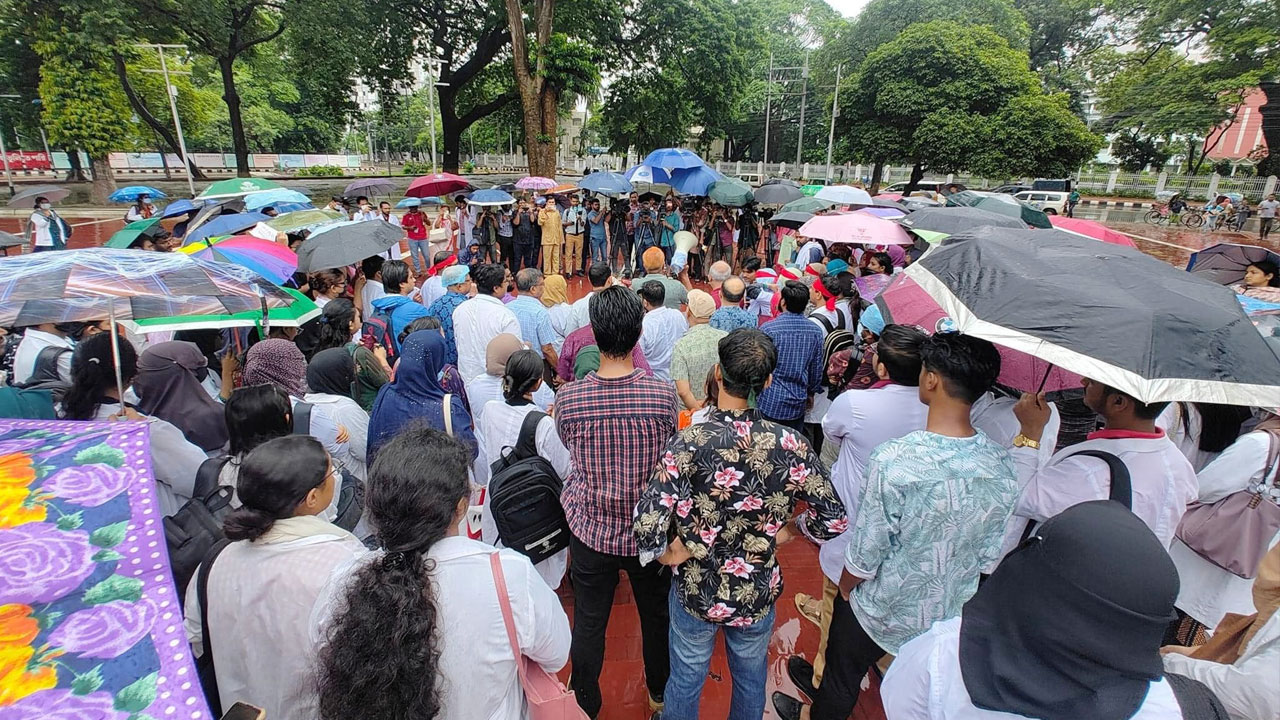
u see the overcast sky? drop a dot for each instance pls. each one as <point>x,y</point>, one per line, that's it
<point>848,8</point>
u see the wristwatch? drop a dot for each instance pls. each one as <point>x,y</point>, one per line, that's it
<point>1021,440</point>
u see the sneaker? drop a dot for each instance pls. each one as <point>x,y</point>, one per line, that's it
<point>801,673</point>
<point>787,707</point>
<point>810,608</point>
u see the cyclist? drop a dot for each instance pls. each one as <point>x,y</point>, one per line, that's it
<point>1176,206</point>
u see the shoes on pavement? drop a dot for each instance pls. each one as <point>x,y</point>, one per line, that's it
<point>801,673</point>
<point>810,608</point>
<point>787,707</point>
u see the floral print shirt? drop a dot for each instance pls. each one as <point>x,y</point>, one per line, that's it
<point>728,486</point>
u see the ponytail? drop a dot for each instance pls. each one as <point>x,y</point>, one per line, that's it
<point>272,481</point>
<point>523,371</point>
<point>93,374</point>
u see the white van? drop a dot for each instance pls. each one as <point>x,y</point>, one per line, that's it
<point>1052,203</point>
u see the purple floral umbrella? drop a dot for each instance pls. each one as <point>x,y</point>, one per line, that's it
<point>535,182</point>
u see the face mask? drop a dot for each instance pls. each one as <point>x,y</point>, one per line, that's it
<point>45,206</point>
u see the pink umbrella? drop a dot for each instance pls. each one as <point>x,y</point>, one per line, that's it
<point>437,184</point>
<point>887,213</point>
<point>903,302</point>
<point>1091,229</point>
<point>855,228</point>
<point>535,182</point>
<point>889,196</point>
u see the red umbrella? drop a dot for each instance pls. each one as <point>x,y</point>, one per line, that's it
<point>437,184</point>
<point>1089,228</point>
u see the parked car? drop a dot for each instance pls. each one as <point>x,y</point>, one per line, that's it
<point>898,187</point>
<point>752,179</point>
<point>1053,203</point>
<point>1011,189</point>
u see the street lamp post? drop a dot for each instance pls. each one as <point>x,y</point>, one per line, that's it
<point>171,92</point>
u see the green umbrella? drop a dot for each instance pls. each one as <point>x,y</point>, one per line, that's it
<point>300,219</point>
<point>811,190</point>
<point>125,237</point>
<point>806,204</point>
<point>1002,204</point>
<point>295,314</point>
<point>930,236</point>
<point>235,187</point>
<point>731,192</point>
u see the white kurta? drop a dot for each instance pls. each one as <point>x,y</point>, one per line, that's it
<point>477,670</point>
<point>1186,436</point>
<point>475,323</point>
<point>347,413</point>
<point>1247,687</point>
<point>501,429</point>
<point>1207,591</point>
<point>561,322</point>
<point>663,326</point>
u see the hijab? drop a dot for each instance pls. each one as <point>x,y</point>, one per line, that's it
<point>332,372</point>
<point>555,290</point>
<point>278,362</point>
<point>500,349</point>
<point>1233,634</point>
<point>897,255</point>
<point>1070,624</point>
<point>168,387</point>
<point>416,394</point>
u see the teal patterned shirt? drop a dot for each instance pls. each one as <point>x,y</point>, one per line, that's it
<point>932,516</point>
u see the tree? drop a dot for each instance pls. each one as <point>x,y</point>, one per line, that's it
<point>1137,152</point>
<point>147,95</point>
<point>881,21</point>
<point>647,110</point>
<point>83,108</point>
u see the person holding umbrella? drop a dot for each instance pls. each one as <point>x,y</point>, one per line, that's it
<point>141,209</point>
<point>46,230</point>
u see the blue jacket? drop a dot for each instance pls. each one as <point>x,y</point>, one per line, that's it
<point>403,311</point>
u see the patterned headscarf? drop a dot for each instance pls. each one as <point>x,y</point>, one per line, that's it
<point>277,362</point>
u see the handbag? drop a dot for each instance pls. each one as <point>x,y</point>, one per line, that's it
<point>438,235</point>
<point>547,697</point>
<point>1236,531</point>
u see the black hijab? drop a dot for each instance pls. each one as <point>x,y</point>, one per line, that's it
<point>332,372</point>
<point>1069,626</point>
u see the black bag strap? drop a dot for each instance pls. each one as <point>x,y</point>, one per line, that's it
<point>527,441</point>
<point>1195,699</point>
<point>1121,483</point>
<point>46,363</point>
<point>207,476</point>
<point>825,322</point>
<point>202,597</point>
<point>302,418</point>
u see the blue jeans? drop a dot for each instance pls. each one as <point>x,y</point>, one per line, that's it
<point>692,641</point>
<point>420,248</point>
<point>599,250</point>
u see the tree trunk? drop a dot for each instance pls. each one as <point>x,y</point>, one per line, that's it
<point>1270,112</point>
<point>76,173</point>
<point>537,99</point>
<point>232,98</point>
<point>917,174</point>
<point>877,172</point>
<point>150,119</point>
<point>104,181</point>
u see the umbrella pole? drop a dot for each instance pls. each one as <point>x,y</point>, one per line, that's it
<point>115,349</point>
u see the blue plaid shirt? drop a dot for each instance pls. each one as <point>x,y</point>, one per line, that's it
<point>799,371</point>
<point>535,322</point>
<point>731,317</point>
<point>442,309</point>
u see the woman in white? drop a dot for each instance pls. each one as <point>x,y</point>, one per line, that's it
<point>93,396</point>
<point>47,230</point>
<point>500,430</point>
<point>1202,430</point>
<point>416,630</point>
<point>1208,592</point>
<point>331,380</point>
<point>264,585</point>
<point>488,385</point>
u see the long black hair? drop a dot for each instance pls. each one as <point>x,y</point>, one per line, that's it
<point>380,657</point>
<point>523,371</point>
<point>93,374</point>
<point>273,479</point>
<point>256,414</point>
<point>335,326</point>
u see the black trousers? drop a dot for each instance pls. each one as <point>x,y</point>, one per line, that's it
<point>850,654</point>
<point>595,576</point>
<point>508,255</point>
<point>524,256</point>
<point>796,424</point>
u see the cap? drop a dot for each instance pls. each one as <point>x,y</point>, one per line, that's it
<point>454,274</point>
<point>700,304</point>
<point>837,266</point>
<point>654,259</point>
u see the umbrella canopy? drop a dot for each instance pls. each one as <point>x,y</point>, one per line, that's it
<point>180,207</point>
<point>215,208</point>
<point>694,180</point>
<point>271,260</point>
<point>257,201</point>
<point>810,190</point>
<point>124,237</point>
<point>777,194</point>
<point>673,159</point>
<point>1089,228</point>
<point>881,201</point>
<point>1109,313</point>
<point>303,219</point>
<point>436,184</point>
<point>781,181</point>
<point>295,314</point>
<point>1001,204</point>
<point>792,219</point>
<point>408,203</point>
<point>608,183</point>
<point>844,195</point>
<point>887,213</point>
<point>806,204</point>
<point>855,228</point>
<point>370,186</point>
<point>535,182</point>
<point>731,192</point>
<point>917,203</point>
<point>647,174</point>
<point>8,240</point>
<point>935,223</point>
<point>133,192</point>
<point>888,196</point>
<point>28,197</point>
<point>346,243</point>
<point>563,188</point>
<point>491,198</point>
<point>238,187</point>
<point>224,225</point>
<point>1225,263</point>
<point>647,196</point>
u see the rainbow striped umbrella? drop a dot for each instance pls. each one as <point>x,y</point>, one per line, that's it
<point>270,260</point>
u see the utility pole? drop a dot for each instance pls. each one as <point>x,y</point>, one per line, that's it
<point>171,92</point>
<point>804,95</point>
<point>768,85</point>
<point>835,111</point>
<point>432,65</point>
<point>8,174</point>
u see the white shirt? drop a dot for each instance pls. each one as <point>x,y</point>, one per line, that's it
<point>1186,435</point>
<point>561,322</point>
<point>501,429</point>
<point>261,597</point>
<point>371,291</point>
<point>859,421</point>
<point>133,214</point>
<point>663,326</point>
<point>324,427</point>
<point>580,313</point>
<point>371,214</point>
<point>40,229</point>
<point>433,289</point>
<point>1206,591</point>
<point>1247,687</point>
<point>924,683</point>
<point>33,341</point>
<point>174,458</point>
<point>389,219</point>
<point>809,253</point>
<point>484,388</point>
<point>476,322</point>
<point>477,669</point>
<point>1163,481</point>
<point>346,412</point>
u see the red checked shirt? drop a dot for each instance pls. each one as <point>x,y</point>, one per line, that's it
<point>615,430</point>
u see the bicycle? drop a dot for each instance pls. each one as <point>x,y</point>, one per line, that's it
<point>1161,215</point>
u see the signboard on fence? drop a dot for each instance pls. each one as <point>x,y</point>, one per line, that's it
<point>22,160</point>
<point>263,162</point>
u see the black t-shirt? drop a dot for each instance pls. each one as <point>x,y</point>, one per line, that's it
<point>524,232</point>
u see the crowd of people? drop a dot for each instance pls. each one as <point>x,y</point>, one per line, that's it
<point>690,422</point>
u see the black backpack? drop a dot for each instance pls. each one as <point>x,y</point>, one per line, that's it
<point>45,375</point>
<point>524,497</point>
<point>838,338</point>
<point>191,532</point>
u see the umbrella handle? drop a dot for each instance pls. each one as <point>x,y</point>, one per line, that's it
<point>1044,379</point>
<point>115,349</point>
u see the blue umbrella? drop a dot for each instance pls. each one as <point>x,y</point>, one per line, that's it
<point>271,197</point>
<point>490,196</point>
<point>647,174</point>
<point>179,207</point>
<point>673,159</point>
<point>694,181</point>
<point>131,193</point>
<point>288,207</point>
<point>225,225</point>
<point>415,202</point>
<point>609,183</point>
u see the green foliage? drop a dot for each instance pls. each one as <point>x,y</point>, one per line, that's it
<point>320,171</point>
<point>416,168</point>
<point>647,111</point>
<point>882,21</point>
<point>82,105</point>
<point>1136,152</point>
<point>572,66</point>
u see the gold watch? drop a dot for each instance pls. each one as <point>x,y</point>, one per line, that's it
<point>1021,440</point>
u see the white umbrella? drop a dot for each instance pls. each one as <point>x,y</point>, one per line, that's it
<point>844,195</point>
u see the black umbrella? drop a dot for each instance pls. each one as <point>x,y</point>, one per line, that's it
<point>217,208</point>
<point>1107,312</point>
<point>646,197</point>
<point>8,240</point>
<point>886,202</point>
<point>951,220</point>
<point>346,243</point>
<point>780,181</point>
<point>777,194</point>
<point>1225,263</point>
<point>791,220</point>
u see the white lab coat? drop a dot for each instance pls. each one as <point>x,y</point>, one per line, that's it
<point>1247,687</point>
<point>476,322</point>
